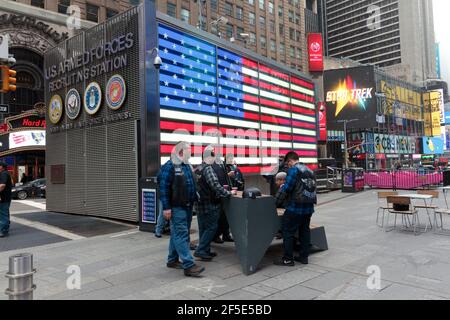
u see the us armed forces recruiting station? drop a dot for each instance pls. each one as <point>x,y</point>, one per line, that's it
<point>68,73</point>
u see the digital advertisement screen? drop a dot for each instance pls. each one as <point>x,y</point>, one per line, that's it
<point>350,96</point>
<point>432,145</point>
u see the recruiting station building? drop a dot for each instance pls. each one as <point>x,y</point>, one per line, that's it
<point>113,118</point>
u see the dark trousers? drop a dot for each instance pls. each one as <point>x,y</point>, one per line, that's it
<point>223,228</point>
<point>291,224</point>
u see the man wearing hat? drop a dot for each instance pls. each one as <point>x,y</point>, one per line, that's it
<point>5,199</point>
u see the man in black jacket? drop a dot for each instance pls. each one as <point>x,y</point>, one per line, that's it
<point>209,207</point>
<point>5,201</point>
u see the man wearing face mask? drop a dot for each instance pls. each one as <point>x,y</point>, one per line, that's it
<point>178,195</point>
<point>299,195</point>
<point>235,174</point>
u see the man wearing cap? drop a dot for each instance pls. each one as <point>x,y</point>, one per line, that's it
<point>5,199</point>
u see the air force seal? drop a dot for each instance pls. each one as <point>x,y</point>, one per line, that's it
<point>73,104</point>
<point>92,98</point>
<point>55,109</point>
<point>116,91</point>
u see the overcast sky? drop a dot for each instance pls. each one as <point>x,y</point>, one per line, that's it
<point>442,29</point>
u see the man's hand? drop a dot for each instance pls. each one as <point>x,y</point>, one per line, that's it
<point>231,174</point>
<point>168,214</point>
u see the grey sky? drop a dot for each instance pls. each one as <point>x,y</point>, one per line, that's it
<point>442,27</point>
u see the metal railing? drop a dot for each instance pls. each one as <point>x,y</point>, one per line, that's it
<point>334,178</point>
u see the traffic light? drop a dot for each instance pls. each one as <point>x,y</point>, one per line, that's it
<point>8,80</point>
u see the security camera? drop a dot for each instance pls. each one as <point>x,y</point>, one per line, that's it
<point>157,62</point>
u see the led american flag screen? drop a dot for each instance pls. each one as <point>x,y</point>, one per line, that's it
<point>209,95</point>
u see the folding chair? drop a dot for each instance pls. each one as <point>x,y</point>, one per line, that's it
<point>384,208</point>
<point>431,206</point>
<point>402,206</point>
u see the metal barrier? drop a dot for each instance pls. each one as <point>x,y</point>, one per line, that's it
<point>334,178</point>
<point>402,179</point>
<point>20,277</point>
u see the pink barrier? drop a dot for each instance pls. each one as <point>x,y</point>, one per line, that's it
<point>401,179</point>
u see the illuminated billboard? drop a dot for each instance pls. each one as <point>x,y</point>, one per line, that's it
<point>350,95</point>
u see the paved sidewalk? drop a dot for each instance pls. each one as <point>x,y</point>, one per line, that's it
<point>132,265</point>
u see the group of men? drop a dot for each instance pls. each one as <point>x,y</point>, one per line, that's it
<point>182,189</point>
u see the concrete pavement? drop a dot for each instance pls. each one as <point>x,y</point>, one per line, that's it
<point>131,265</point>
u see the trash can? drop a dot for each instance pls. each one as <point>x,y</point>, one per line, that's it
<point>353,180</point>
<point>446,174</point>
<point>148,204</point>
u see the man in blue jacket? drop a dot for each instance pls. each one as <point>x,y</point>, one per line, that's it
<point>178,195</point>
<point>299,192</point>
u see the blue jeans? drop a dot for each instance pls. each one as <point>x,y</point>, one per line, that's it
<point>4,217</point>
<point>161,221</point>
<point>180,226</point>
<point>207,226</point>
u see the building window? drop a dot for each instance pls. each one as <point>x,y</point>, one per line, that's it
<point>280,11</point>
<point>213,5</point>
<point>229,31</point>
<point>251,18</point>
<point>291,34</point>
<point>271,7</point>
<point>185,15</point>
<point>172,9</point>
<point>281,29</point>
<point>263,42</point>
<point>282,49</point>
<point>252,38</point>
<point>228,9</point>
<point>239,13</point>
<point>299,53</point>
<point>272,26</point>
<point>91,12</point>
<point>214,29</point>
<point>63,5</point>
<point>292,52</point>
<point>262,22</point>
<point>110,13</point>
<point>37,3</point>
<point>239,31</point>
<point>261,4</point>
<point>291,16</point>
<point>272,45</point>
<point>252,2</point>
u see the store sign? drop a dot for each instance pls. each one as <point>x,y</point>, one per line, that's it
<point>322,122</point>
<point>392,144</point>
<point>26,139</point>
<point>433,105</point>
<point>350,95</point>
<point>401,102</point>
<point>447,118</point>
<point>32,121</point>
<point>433,145</point>
<point>315,50</point>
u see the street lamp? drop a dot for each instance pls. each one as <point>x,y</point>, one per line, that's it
<point>345,140</point>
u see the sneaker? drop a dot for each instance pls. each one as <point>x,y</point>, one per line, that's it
<point>194,271</point>
<point>213,254</point>
<point>227,238</point>
<point>158,235</point>
<point>218,240</point>
<point>284,262</point>
<point>193,247</point>
<point>3,235</point>
<point>203,257</point>
<point>175,265</point>
<point>301,260</point>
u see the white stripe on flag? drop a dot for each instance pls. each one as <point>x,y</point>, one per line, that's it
<point>305,132</point>
<point>177,115</point>
<point>193,160</point>
<point>250,72</point>
<point>239,142</point>
<point>272,127</point>
<point>308,160</point>
<point>273,80</point>
<point>302,90</point>
<point>249,160</point>
<point>277,144</point>
<point>274,96</point>
<point>270,160</point>
<point>275,112</point>
<point>305,146</point>
<point>176,137</point>
<point>239,123</point>
<point>251,107</point>
<point>251,90</point>
<point>303,104</point>
<point>303,118</point>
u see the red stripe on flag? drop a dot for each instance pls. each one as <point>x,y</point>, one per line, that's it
<point>303,111</point>
<point>250,81</point>
<point>272,87</point>
<point>172,126</point>
<point>276,120</point>
<point>275,104</point>
<point>272,72</point>
<point>304,139</point>
<point>303,83</point>
<point>250,169</point>
<point>301,96</point>
<point>250,98</point>
<point>298,124</point>
<point>249,63</point>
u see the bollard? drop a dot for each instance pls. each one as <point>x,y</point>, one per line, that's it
<point>20,277</point>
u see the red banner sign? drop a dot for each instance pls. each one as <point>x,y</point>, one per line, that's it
<point>322,122</point>
<point>315,49</point>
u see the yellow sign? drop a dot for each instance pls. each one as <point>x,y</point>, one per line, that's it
<point>402,102</point>
<point>432,113</point>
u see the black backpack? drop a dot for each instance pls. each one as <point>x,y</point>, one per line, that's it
<point>305,191</point>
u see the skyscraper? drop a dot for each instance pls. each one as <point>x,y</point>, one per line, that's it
<point>395,34</point>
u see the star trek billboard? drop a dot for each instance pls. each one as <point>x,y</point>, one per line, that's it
<point>350,95</point>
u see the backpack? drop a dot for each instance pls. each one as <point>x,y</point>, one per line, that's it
<point>305,191</point>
